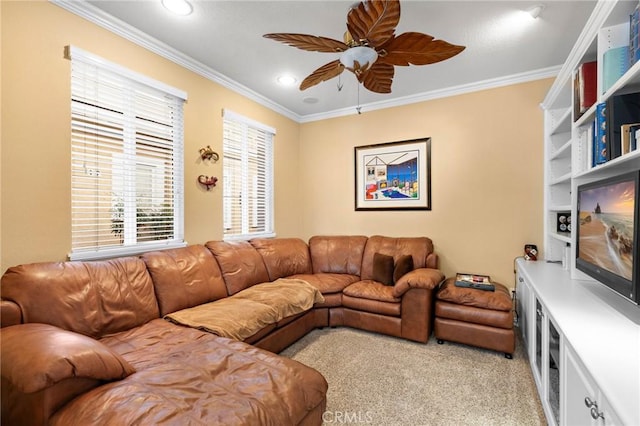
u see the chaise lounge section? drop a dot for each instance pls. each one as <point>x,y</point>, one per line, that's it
<point>128,364</point>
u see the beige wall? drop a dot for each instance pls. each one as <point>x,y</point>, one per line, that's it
<point>486,176</point>
<point>36,133</point>
<point>486,148</point>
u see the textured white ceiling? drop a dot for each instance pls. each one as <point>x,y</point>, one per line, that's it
<point>226,36</point>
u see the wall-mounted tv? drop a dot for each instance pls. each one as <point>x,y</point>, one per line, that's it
<point>608,233</point>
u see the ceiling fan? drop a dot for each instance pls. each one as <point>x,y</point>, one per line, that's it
<point>370,48</point>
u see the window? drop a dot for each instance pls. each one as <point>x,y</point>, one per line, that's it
<point>248,178</point>
<point>126,160</point>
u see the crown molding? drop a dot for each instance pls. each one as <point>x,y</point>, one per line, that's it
<point>121,28</point>
<point>99,17</point>
<point>440,93</point>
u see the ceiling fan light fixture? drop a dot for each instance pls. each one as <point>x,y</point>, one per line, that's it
<point>179,7</point>
<point>358,58</point>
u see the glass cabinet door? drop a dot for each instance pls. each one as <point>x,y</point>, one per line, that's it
<point>538,344</point>
<point>553,394</point>
<point>522,297</point>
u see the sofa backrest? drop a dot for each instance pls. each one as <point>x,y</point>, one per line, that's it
<point>91,298</point>
<point>283,257</point>
<point>184,277</point>
<point>420,248</point>
<point>240,263</point>
<point>337,254</point>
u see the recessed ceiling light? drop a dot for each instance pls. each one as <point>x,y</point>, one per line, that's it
<point>286,80</point>
<point>535,11</point>
<point>179,7</point>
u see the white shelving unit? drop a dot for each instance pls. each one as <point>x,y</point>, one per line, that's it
<point>583,340</point>
<point>566,146</point>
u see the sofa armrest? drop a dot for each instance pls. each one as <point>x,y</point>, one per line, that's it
<point>427,278</point>
<point>10,313</point>
<point>37,356</point>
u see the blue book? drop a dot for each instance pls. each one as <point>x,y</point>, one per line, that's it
<point>615,62</point>
<point>600,135</point>
<point>634,42</point>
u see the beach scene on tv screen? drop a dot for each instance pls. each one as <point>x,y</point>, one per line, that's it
<point>606,227</point>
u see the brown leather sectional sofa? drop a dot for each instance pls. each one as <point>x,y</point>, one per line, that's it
<point>86,343</point>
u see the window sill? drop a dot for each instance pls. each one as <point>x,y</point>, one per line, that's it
<point>111,252</point>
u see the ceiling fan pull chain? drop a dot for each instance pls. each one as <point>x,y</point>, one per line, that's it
<point>339,82</point>
<point>358,108</point>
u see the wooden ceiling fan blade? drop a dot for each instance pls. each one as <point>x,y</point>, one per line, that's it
<point>309,42</point>
<point>378,78</point>
<point>417,49</point>
<point>324,73</point>
<point>374,21</point>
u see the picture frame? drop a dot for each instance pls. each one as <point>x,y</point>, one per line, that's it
<point>393,175</point>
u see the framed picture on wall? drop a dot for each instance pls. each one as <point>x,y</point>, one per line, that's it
<point>393,175</point>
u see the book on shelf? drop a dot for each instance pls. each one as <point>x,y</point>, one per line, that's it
<point>620,109</point>
<point>600,135</point>
<point>587,83</point>
<point>589,136</point>
<point>628,132</point>
<point>615,62</point>
<point>480,282</point>
<point>634,142</point>
<point>634,36</point>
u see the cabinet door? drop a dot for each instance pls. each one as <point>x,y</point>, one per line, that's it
<point>583,403</point>
<point>523,310</point>
<point>578,387</point>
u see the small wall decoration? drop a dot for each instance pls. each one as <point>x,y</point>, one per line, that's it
<point>393,176</point>
<point>209,154</point>
<point>207,181</point>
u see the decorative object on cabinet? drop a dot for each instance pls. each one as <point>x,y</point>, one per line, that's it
<point>207,181</point>
<point>209,154</point>
<point>530,252</point>
<point>393,176</point>
<point>564,222</point>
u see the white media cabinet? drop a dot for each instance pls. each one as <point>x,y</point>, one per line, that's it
<point>583,342</point>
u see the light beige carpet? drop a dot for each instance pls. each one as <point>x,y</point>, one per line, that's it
<point>380,380</point>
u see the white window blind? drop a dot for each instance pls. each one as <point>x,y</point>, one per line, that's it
<point>248,178</point>
<point>126,160</point>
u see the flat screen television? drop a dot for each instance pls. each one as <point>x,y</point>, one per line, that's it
<point>608,233</point>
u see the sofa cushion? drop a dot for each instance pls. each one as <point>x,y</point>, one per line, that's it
<point>283,257</point>
<point>37,356</point>
<point>328,283</point>
<point>498,300</point>
<point>383,268</point>
<point>240,263</point>
<point>420,248</point>
<point>247,312</point>
<point>369,289</point>
<point>185,277</point>
<point>338,254</point>
<point>403,265</point>
<point>90,298</point>
<point>471,314</point>
<point>186,376</point>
